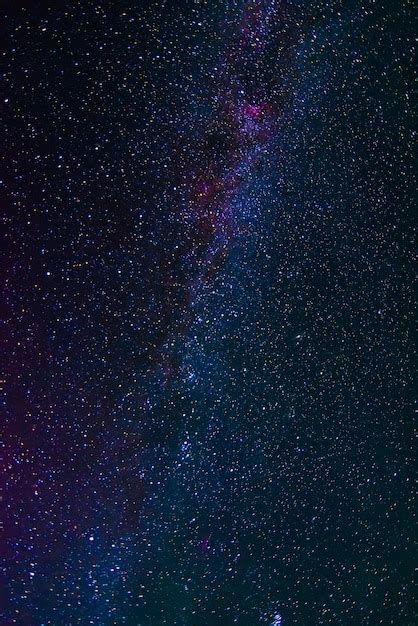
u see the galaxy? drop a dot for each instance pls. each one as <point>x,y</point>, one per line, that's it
<point>207,313</point>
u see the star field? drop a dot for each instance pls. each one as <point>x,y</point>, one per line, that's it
<point>207,358</point>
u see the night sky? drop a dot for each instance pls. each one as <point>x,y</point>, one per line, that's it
<point>207,310</point>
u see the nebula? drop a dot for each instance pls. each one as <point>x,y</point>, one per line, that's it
<point>251,83</point>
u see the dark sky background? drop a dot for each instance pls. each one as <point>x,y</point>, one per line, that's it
<point>207,348</point>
